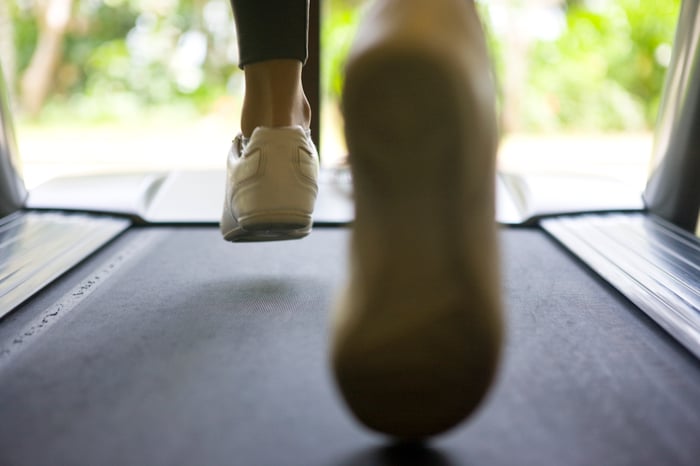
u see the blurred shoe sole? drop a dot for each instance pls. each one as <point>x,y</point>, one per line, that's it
<point>417,332</point>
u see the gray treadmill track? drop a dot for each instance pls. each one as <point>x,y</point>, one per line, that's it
<point>199,352</point>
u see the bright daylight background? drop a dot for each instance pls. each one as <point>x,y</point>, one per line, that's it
<point>124,85</point>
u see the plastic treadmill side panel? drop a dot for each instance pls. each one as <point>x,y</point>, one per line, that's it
<point>673,191</point>
<point>12,192</point>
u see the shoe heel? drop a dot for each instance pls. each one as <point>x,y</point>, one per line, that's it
<point>273,188</point>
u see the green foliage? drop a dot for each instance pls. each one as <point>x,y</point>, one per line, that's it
<point>606,71</point>
<point>338,30</point>
<point>602,73</point>
<point>25,29</point>
<point>121,57</point>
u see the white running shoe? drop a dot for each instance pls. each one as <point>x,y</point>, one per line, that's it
<point>417,335</point>
<point>271,185</point>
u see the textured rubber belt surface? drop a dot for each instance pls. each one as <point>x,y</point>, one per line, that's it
<point>197,351</point>
<point>37,247</point>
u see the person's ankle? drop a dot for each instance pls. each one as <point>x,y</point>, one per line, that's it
<point>274,96</point>
<point>270,115</point>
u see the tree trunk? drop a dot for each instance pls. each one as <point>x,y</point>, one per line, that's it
<point>37,81</point>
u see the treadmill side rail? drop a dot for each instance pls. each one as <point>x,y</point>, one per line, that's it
<point>36,248</point>
<point>655,264</point>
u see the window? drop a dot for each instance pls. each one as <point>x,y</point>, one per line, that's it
<point>154,85</point>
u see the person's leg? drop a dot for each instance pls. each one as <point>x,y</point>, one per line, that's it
<point>272,167</point>
<point>272,41</point>
<point>417,334</point>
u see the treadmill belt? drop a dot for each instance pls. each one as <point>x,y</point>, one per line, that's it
<point>200,352</point>
<point>36,247</point>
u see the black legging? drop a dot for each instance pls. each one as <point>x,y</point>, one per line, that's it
<point>271,29</point>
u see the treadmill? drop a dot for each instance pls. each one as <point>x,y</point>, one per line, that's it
<point>131,334</point>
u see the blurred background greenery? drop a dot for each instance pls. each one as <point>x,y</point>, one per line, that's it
<point>580,63</point>
<point>562,65</point>
<point>106,60</point>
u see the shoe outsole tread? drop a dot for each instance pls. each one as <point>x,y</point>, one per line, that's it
<point>417,333</point>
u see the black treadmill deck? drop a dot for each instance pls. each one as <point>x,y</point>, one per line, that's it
<point>197,351</point>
